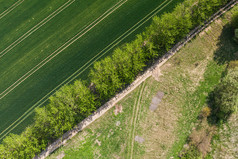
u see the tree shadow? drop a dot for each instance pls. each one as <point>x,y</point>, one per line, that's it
<point>227,47</point>
<point>227,51</point>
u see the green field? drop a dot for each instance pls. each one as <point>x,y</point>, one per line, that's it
<point>45,44</point>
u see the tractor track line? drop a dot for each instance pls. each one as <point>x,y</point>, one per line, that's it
<point>108,48</point>
<point>36,27</point>
<point>3,14</point>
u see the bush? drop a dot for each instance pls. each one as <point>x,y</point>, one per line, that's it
<point>191,153</point>
<point>226,94</point>
<point>206,111</point>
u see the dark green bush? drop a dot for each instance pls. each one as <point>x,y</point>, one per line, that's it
<point>191,153</point>
<point>226,94</point>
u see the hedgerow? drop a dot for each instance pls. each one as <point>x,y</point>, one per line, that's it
<point>72,103</point>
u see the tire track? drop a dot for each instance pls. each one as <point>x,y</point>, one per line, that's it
<point>3,14</point>
<point>55,53</point>
<point>58,51</point>
<point>86,66</point>
<point>136,108</point>
<point>36,27</point>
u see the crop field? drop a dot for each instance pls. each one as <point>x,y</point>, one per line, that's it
<point>46,44</point>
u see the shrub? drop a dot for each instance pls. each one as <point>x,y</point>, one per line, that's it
<point>206,111</point>
<point>191,153</point>
<point>226,94</point>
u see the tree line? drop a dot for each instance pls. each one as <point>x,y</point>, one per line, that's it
<point>72,103</point>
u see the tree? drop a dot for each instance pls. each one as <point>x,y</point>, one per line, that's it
<point>123,65</point>
<point>226,94</point>
<point>105,77</point>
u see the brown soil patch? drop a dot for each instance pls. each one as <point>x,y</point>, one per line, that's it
<point>118,109</point>
<point>156,73</point>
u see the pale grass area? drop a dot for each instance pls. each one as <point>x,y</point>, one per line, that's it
<point>178,77</point>
<point>227,146</point>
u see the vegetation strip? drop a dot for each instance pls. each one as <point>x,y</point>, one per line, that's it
<point>73,76</point>
<point>35,28</point>
<point>3,14</point>
<point>56,52</point>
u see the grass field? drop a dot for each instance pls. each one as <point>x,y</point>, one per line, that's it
<point>186,80</point>
<point>45,44</point>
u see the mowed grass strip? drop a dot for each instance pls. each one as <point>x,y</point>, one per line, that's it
<point>48,77</point>
<point>84,67</point>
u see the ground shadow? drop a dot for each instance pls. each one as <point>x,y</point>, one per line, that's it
<point>227,51</point>
<point>227,47</point>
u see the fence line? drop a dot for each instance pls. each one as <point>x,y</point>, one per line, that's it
<point>103,109</point>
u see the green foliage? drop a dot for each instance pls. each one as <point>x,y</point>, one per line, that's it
<point>234,24</point>
<point>20,146</point>
<point>226,94</point>
<point>234,21</point>
<point>69,105</point>
<point>191,153</point>
<point>113,73</point>
<point>203,9</point>
<point>171,27</point>
<point>72,103</point>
